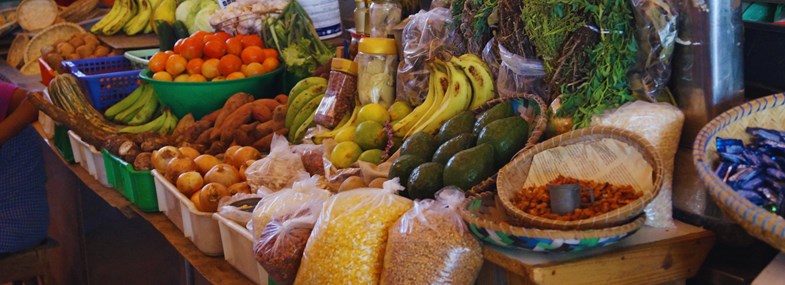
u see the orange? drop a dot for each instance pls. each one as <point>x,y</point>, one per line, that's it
<point>196,78</point>
<point>169,52</point>
<point>244,68</point>
<point>158,62</point>
<point>252,54</point>
<point>214,48</point>
<point>163,76</point>
<point>270,52</point>
<point>251,40</point>
<point>182,78</point>
<point>270,64</point>
<point>229,63</point>
<point>176,64</point>
<point>192,48</point>
<point>253,69</point>
<point>210,68</point>
<point>194,66</point>
<point>218,78</point>
<point>234,46</point>
<point>235,75</point>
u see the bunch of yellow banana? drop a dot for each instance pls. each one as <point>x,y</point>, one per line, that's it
<point>462,83</point>
<point>135,16</point>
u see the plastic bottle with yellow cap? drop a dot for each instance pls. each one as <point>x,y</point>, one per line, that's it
<point>377,61</point>
<point>339,97</point>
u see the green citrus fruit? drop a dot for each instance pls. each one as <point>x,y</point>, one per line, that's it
<point>398,110</point>
<point>373,112</point>
<point>345,154</point>
<point>372,155</point>
<point>370,135</point>
<point>345,135</point>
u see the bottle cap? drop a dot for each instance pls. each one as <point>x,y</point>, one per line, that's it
<point>377,46</point>
<point>344,65</point>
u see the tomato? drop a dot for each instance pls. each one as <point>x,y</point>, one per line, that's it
<point>229,63</point>
<point>252,54</point>
<point>234,46</point>
<point>199,35</point>
<point>251,40</point>
<point>194,66</point>
<point>163,76</point>
<point>222,35</point>
<point>192,48</point>
<point>210,68</point>
<point>270,52</point>
<point>214,48</point>
<point>196,78</point>
<point>169,52</point>
<point>176,64</point>
<point>270,64</point>
<point>235,75</point>
<point>253,69</point>
<point>178,46</point>
<point>158,62</point>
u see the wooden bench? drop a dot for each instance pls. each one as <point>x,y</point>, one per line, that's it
<point>26,267</point>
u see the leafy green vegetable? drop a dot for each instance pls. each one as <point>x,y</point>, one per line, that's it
<point>480,20</point>
<point>548,22</point>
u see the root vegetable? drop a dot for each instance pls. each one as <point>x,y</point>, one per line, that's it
<point>205,162</point>
<point>279,113</point>
<point>243,168</point>
<point>189,182</point>
<point>282,98</point>
<point>243,154</point>
<point>241,187</point>
<point>216,148</point>
<point>162,157</point>
<point>143,161</point>
<point>263,144</point>
<point>212,116</point>
<point>183,124</point>
<point>223,174</point>
<point>268,127</point>
<point>261,112</point>
<point>239,117</point>
<point>189,152</point>
<point>195,199</point>
<point>232,104</point>
<point>179,165</point>
<point>191,134</point>
<point>204,137</point>
<point>210,195</point>
<point>353,182</point>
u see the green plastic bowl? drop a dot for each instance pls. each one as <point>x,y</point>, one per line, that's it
<point>201,98</point>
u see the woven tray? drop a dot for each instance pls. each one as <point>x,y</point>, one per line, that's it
<point>48,36</point>
<point>35,15</point>
<point>766,112</point>
<point>487,220</point>
<point>16,53</point>
<point>513,176</point>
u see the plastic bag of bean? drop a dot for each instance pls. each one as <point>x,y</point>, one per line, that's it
<point>430,244</point>
<point>306,195</point>
<point>348,242</point>
<point>281,245</point>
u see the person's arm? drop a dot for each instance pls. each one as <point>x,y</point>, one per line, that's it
<point>20,113</point>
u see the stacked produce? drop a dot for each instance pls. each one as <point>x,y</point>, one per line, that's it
<point>79,46</point>
<point>213,57</point>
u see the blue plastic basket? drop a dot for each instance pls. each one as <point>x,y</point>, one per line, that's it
<point>105,80</point>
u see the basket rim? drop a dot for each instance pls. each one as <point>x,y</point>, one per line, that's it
<point>468,217</point>
<point>756,221</point>
<point>589,134</point>
<point>146,75</point>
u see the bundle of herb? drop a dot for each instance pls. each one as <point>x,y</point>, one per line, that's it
<point>512,33</point>
<point>474,24</point>
<point>607,85</point>
<point>573,64</point>
<point>295,38</point>
<point>548,22</point>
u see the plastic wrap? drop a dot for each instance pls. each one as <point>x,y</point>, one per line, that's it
<point>348,242</point>
<point>655,32</point>
<point>338,99</point>
<point>660,124</point>
<point>238,207</point>
<point>491,57</point>
<point>520,75</point>
<point>311,156</point>
<point>430,244</point>
<point>305,195</point>
<point>425,32</point>
<point>276,170</point>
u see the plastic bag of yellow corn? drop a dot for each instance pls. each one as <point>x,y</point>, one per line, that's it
<point>348,242</point>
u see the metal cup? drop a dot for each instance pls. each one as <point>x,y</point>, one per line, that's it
<point>566,198</point>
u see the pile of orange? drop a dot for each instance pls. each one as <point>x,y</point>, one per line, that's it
<point>213,57</point>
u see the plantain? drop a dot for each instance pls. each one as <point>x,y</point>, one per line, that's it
<point>125,103</point>
<point>126,115</point>
<point>307,111</point>
<point>301,100</point>
<point>305,84</point>
<point>147,110</point>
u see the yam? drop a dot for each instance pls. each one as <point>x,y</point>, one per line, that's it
<point>185,122</point>
<point>279,113</point>
<point>268,127</point>
<point>261,112</point>
<point>143,161</point>
<point>263,144</point>
<point>191,134</point>
<point>232,104</point>
<point>282,98</point>
<point>204,137</point>
<point>240,116</point>
<point>270,103</point>
<point>216,148</point>
<point>212,116</point>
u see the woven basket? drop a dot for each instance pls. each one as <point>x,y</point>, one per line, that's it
<point>512,177</point>
<point>48,36</point>
<point>487,220</point>
<point>540,122</point>
<point>766,112</point>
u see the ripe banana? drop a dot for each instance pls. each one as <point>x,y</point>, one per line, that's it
<point>139,22</point>
<point>303,85</point>
<point>480,77</point>
<point>404,125</point>
<point>307,111</point>
<point>165,11</point>
<point>153,125</point>
<point>457,99</point>
<point>347,121</point>
<point>439,85</point>
<point>109,17</point>
<point>124,104</point>
<point>126,115</point>
<point>146,112</point>
<point>300,100</point>
<point>128,11</point>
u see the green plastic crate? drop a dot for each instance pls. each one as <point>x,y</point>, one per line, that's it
<point>63,144</point>
<point>137,186</point>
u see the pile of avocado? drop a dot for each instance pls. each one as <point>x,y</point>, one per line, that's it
<point>465,151</point>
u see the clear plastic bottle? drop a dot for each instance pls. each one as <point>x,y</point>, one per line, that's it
<point>384,15</point>
<point>377,64</point>
<point>360,17</point>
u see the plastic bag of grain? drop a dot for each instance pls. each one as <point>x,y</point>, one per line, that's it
<point>430,244</point>
<point>660,124</point>
<point>279,249</point>
<point>278,169</point>
<point>307,190</point>
<point>348,242</point>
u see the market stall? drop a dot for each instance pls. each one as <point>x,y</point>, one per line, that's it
<point>523,142</point>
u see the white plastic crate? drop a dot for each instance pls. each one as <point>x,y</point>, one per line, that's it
<point>197,226</point>
<point>89,158</point>
<point>238,249</point>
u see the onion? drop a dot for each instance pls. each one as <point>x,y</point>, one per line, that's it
<point>244,167</point>
<point>189,182</point>
<point>195,199</point>
<point>189,152</point>
<point>210,195</point>
<point>162,157</point>
<point>222,173</point>
<point>206,162</point>
<point>179,165</point>
<point>244,154</point>
<point>241,187</point>
<point>229,153</point>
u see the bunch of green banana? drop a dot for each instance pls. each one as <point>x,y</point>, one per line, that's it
<point>136,109</point>
<point>164,124</point>
<point>303,101</point>
<point>141,20</point>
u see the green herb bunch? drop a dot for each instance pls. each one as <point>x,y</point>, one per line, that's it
<point>548,22</point>
<point>480,21</point>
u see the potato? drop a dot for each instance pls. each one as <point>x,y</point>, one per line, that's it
<point>48,49</point>
<point>76,42</point>
<point>65,48</point>
<point>84,51</point>
<point>91,39</point>
<point>71,56</point>
<point>101,51</point>
<point>116,52</point>
<point>54,59</point>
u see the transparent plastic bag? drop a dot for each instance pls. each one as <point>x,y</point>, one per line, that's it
<point>276,170</point>
<point>520,75</point>
<point>655,31</point>
<point>430,244</point>
<point>660,124</point>
<point>305,194</point>
<point>425,32</point>
<point>491,57</point>
<point>238,207</point>
<point>311,155</point>
<point>348,242</point>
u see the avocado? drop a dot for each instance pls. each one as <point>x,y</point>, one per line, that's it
<point>500,111</point>
<point>507,136</point>
<point>403,166</point>
<point>419,144</point>
<point>453,146</point>
<point>425,180</point>
<point>469,167</point>
<point>461,123</point>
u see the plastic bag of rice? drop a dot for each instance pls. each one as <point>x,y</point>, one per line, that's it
<point>348,241</point>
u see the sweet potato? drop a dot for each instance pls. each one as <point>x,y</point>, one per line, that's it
<point>204,138</point>
<point>279,113</point>
<point>282,98</point>
<point>212,116</point>
<point>263,144</point>
<point>192,133</point>
<point>182,125</point>
<point>231,105</point>
<point>244,135</point>
<point>261,112</point>
<point>234,121</point>
<point>270,103</point>
<point>216,148</point>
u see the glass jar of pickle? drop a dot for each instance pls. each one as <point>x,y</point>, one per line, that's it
<point>377,64</point>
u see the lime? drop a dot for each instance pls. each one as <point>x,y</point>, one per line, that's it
<point>373,112</point>
<point>370,135</point>
<point>345,154</point>
<point>399,109</point>
<point>345,135</point>
<point>372,155</point>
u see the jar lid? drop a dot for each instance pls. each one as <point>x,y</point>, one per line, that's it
<point>377,46</point>
<point>344,65</point>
